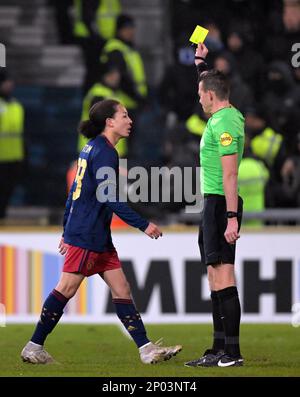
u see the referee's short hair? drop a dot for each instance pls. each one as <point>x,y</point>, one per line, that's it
<point>216,81</point>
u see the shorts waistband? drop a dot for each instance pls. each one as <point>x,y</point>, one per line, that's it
<point>213,195</point>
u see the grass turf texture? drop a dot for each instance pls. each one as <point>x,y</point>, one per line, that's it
<point>103,351</point>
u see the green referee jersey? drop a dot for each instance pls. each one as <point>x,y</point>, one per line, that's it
<point>223,135</point>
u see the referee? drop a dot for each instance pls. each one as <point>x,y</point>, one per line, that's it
<point>221,151</point>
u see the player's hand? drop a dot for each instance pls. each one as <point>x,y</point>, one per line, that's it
<point>153,231</point>
<point>231,233</point>
<point>63,247</point>
<point>201,51</point>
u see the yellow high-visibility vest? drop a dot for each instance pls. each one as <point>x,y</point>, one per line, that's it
<point>106,16</point>
<point>134,64</point>
<point>11,131</point>
<point>100,90</point>
<point>266,145</point>
<point>252,179</point>
<point>195,125</point>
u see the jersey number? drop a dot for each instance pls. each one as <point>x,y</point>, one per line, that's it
<point>82,164</point>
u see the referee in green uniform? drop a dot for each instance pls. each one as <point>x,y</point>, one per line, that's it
<point>221,151</point>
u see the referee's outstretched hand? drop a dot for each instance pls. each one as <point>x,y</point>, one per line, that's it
<point>201,51</point>
<point>153,231</point>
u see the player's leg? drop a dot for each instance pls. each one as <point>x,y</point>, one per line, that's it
<point>132,321</point>
<point>52,311</point>
<point>124,306</point>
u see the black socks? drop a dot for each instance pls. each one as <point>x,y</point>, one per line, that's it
<point>230,311</point>
<point>219,335</point>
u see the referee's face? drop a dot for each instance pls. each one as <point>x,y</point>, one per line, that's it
<point>205,98</point>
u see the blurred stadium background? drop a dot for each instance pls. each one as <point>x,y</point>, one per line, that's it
<point>52,54</point>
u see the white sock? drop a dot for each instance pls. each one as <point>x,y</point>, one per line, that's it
<point>142,347</point>
<point>35,344</point>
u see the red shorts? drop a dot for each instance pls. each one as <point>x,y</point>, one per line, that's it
<point>86,262</point>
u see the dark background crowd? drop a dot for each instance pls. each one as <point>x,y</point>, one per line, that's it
<point>139,52</point>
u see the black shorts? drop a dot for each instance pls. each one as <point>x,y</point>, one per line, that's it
<point>214,248</point>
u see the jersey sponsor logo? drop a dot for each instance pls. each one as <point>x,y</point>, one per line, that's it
<point>226,139</point>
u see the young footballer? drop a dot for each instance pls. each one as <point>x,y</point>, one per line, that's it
<point>86,241</point>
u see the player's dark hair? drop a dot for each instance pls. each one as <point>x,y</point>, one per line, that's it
<point>98,114</point>
<point>216,81</point>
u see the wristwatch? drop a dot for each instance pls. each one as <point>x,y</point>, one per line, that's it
<point>231,214</point>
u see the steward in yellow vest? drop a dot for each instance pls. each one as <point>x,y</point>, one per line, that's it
<point>95,22</point>
<point>107,88</point>
<point>253,177</point>
<point>195,125</point>
<point>120,52</point>
<point>96,17</point>
<point>11,141</point>
<point>266,145</point>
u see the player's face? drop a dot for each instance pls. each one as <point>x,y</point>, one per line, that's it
<point>205,98</point>
<point>122,122</point>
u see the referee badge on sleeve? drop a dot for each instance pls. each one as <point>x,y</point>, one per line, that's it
<point>226,139</point>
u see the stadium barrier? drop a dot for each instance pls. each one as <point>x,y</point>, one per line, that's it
<point>168,282</point>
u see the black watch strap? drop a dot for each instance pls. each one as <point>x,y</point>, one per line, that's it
<point>202,59</point>
<point>231,214</point>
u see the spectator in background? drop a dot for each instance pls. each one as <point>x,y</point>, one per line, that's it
<point>283,30</point>
<point>95,22</point>
<point>253,177</point>
<point>11,141</point>
<point>241,95</point>
<point>267,145</point>
<point>177,92</point>
<point>265,142</point>
<point>107,87</point>
<point>281,102</point>
<point>63,20</point>
<point>249,63</point>
<point>213,41</point>
<point>290,175</point>
<point>122,54</point>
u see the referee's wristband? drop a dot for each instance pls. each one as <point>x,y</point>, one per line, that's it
<point>202,59</point>
<point>231,214</point>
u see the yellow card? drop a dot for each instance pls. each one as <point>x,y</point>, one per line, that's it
<point>199,35</point>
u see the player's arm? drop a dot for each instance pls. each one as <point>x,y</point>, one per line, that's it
<point>105,169</point>
<point>63,247</point>
<point>230,185</point>
<point>68,205</point>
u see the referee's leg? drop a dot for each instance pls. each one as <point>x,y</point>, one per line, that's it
<point>225,286</point>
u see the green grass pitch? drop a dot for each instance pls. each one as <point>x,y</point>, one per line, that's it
<point>104,351</point>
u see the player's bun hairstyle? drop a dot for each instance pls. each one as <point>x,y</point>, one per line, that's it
<point>98,114</point>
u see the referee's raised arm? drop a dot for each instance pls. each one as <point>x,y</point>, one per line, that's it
<point>200,55</point>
